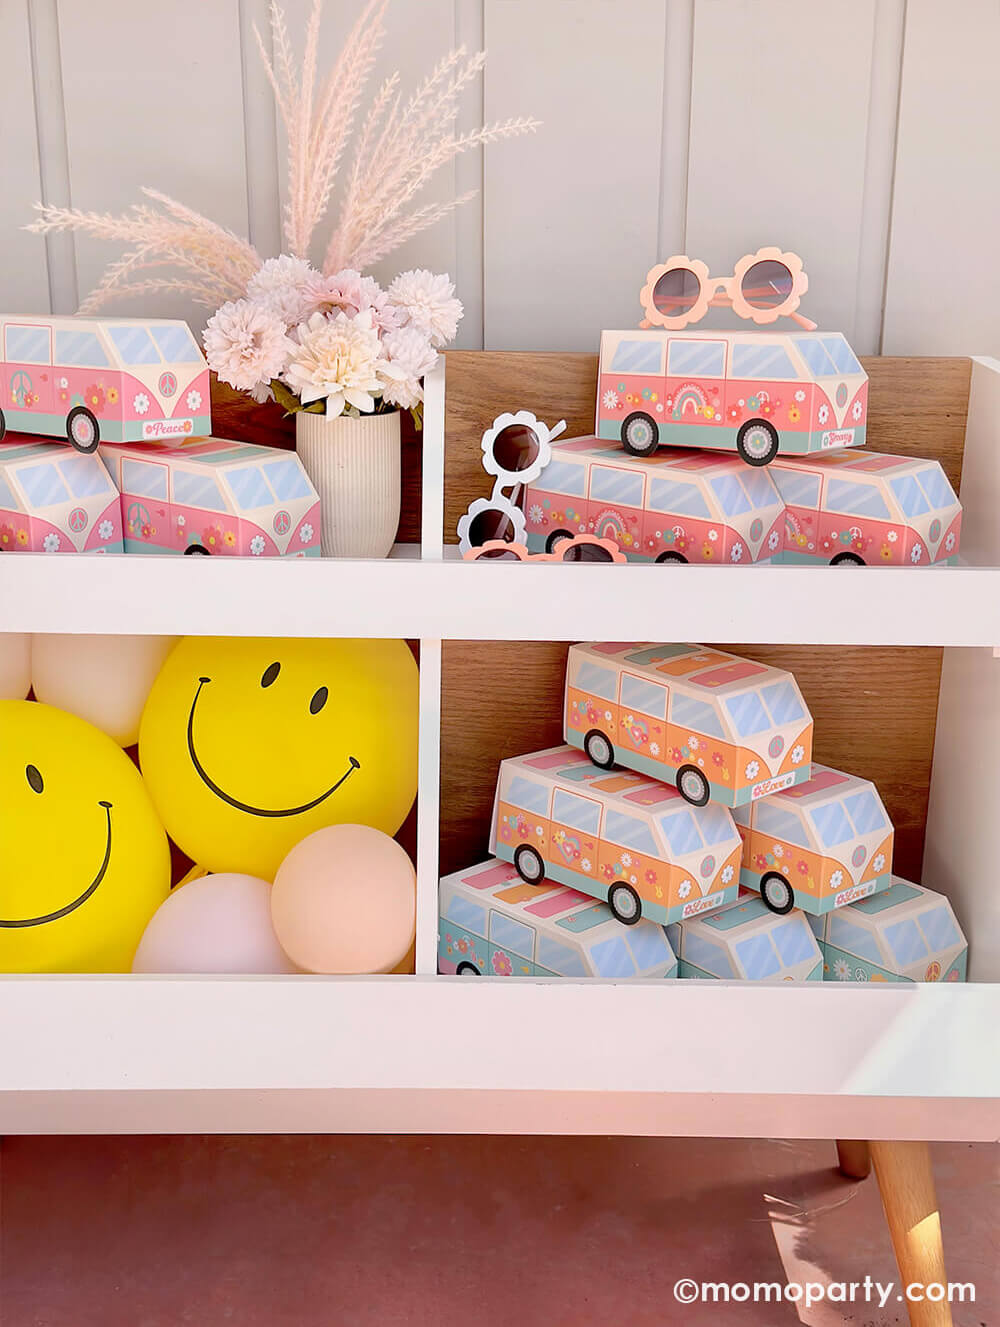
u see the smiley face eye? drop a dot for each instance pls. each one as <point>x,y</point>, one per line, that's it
<point>270,673</point>
<point>318,700</point>
<point>35,780</point>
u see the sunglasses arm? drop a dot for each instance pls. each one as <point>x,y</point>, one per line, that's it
<point>557,429</point>
<point>806,324</point>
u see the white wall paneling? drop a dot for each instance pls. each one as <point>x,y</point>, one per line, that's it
<point>942,283</point>
<point>862,135</point>
<point>24,284</point>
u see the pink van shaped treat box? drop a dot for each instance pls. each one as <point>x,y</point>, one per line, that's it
<point>53,500</point>
<point>89,380</point>
<point>677,506</point>
<point>215,496</point>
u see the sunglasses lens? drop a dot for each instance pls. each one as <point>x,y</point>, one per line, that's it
<point>497,555</point>
<point>586,553</point>
<point>767,284</point>
<point>676,292</point>
<point>515,448</point>
<point>490,524</point>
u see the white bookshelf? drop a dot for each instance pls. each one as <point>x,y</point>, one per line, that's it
<point>439,1054</point>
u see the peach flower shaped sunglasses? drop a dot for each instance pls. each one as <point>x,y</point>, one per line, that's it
<point>765,286</point>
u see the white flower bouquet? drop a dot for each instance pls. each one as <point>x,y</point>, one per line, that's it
<point>336,344</point>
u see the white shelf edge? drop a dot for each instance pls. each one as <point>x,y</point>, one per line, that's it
<point>460,1055</point>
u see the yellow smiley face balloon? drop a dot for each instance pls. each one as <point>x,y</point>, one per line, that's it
<point>84,861</point>
<point>249,745</point>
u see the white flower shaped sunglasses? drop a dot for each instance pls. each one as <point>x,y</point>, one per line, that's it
<point>516,449</point>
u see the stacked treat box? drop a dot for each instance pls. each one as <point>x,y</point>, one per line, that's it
<point>686,798</point>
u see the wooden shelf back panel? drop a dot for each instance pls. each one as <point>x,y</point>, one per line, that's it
<point>874,710</point>
<point>916,407</point>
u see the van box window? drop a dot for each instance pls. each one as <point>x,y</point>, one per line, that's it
<point>144,480</point>
<point>465,912</point>
<point>683,499</point>
<point>909,495</point>
<point>7,499</point>
<point>748,714</point>
<point>819,363</point>
<point>687,712</point>
<point>760,488</point>
<point>28,345</point>
<point>629,832</point>
<point>698,358</point>
<point>864,810</point>
<point>649,946</point>
<point>250,487</point>
<point>623,486</point>
<point>195,490</point>
<point>134,345</point>
<point>41,484</point>
<point>638,357</point>
<point>176,344</point>
<point>563,477</point>
<point>765,360</point>
<point>73,347</point>
<point>729,491</point>
<point>597,680</point>
<point>85,475</point>
<point>845,934</point>
<point>905,941</point>
<point>577,812</point>
<point>680,832</point>
<point>611,958</point>
<point>557,957</point>
<point>793,941</point>
<point>511,934</point>
<point>797,489</point>
<point>756,954</point>
<point>527,795</point>
<point>716,824</point>
<point>935,485</point>
<point>832,825</point>
<point>776,822</point>
<point>648,697</point>
<point>855,499</point>
<point>841,355</point>
<point>288,480</point>
<point>704,954</point>
<point>939,927</point>
<point>783,702</point>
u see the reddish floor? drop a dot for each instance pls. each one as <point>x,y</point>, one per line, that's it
<point>352,1232</point>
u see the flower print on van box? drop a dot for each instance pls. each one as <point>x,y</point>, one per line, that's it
<point>54,500</point>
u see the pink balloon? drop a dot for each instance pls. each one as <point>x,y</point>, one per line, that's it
<point>216,923</point>
<point>345,900</point>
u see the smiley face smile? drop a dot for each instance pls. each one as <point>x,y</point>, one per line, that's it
<point>11,924</point>
<point>210,783</point>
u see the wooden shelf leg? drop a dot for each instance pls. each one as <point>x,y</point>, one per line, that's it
<point>854,1158</point>
<point>906,1183</point>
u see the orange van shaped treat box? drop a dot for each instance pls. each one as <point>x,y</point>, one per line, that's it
<point>617,836</point>
<point>721,728</point>
<point>819,846</point>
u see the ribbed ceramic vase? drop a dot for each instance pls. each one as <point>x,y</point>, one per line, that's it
<point>354,467</point>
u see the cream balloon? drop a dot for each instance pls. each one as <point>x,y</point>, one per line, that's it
<point>344,900</point>
<point>216,923</point>
<point>103,679</point>
<point>15,666</point>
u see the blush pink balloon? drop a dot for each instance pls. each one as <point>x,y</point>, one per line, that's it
<point>216,923</point>
<point>344,900</point>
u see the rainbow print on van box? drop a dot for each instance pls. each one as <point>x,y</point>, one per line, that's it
<point>210,495</point>
<point>820,846</point>
<point>494,925</point>
<point>907,933</point>
<point>719,727</point>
